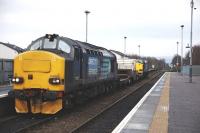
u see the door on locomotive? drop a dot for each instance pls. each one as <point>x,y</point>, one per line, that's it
<point>77,63</point>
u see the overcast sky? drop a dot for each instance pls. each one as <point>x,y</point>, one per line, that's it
<point>153,24</point>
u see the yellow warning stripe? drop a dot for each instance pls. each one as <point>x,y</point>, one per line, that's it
<point>160,119</point>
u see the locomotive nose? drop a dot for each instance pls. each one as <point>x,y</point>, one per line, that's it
<point>37,68</point>
<point>33,65</point>
<point>42,82</point>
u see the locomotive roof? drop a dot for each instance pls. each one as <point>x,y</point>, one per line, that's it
<point>120,53</point>
<point>83,45</point>
<point>89,46</point>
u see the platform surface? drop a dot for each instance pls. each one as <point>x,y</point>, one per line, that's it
<point>4,90</point>
<point>171,106</point>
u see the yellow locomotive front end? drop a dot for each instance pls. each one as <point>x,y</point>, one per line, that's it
<point>139,66</point>
<point>38,82</point>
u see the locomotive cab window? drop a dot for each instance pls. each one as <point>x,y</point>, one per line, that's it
<point>64,46</point>
<point>36,45</point>
<point>50,43</point>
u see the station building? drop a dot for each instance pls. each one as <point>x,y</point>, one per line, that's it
<point>9,51</point>
<point>7,54</point>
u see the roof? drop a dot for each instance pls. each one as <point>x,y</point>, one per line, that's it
<point>14,47</point>
<point>75,43</point>
<point>92,47</point>
<point>119,53</point>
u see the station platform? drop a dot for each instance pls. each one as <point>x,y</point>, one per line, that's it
<point>172,105</point>
<point>4,89</point>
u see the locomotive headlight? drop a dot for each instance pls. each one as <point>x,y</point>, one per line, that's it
<point>58,81</point>
<point>54,81</point>
<point>17,80</point>
<point>13,79</point>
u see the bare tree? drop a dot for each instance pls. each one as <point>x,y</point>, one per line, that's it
<point>174,60</point>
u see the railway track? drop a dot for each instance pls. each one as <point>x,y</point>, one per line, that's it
<point>8,118</point>
<point>19,123</point>
<point>6,107</point>
<point>110,117</point>
<point>74,120</point>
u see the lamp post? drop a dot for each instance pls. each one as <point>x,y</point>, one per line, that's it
<point>182,48</point>
<point>139,50</point>
<point>190,71</point>
<point>86,13</point>
<point>177,57</point>
<point>125,45</point>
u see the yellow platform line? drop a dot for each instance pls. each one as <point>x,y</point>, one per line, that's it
<point>160,119</point>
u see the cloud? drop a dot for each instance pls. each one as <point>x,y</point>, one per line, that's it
<point>155,24</point>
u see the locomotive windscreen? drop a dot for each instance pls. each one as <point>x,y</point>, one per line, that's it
<point>48,43</point>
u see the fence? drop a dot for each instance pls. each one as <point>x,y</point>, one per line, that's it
<point>195,70</point>
<point>6,71</point>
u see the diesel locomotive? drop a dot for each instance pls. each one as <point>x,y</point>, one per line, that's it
<point>54,71</point>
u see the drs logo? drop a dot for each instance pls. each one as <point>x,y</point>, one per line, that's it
<point>92,66</point>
